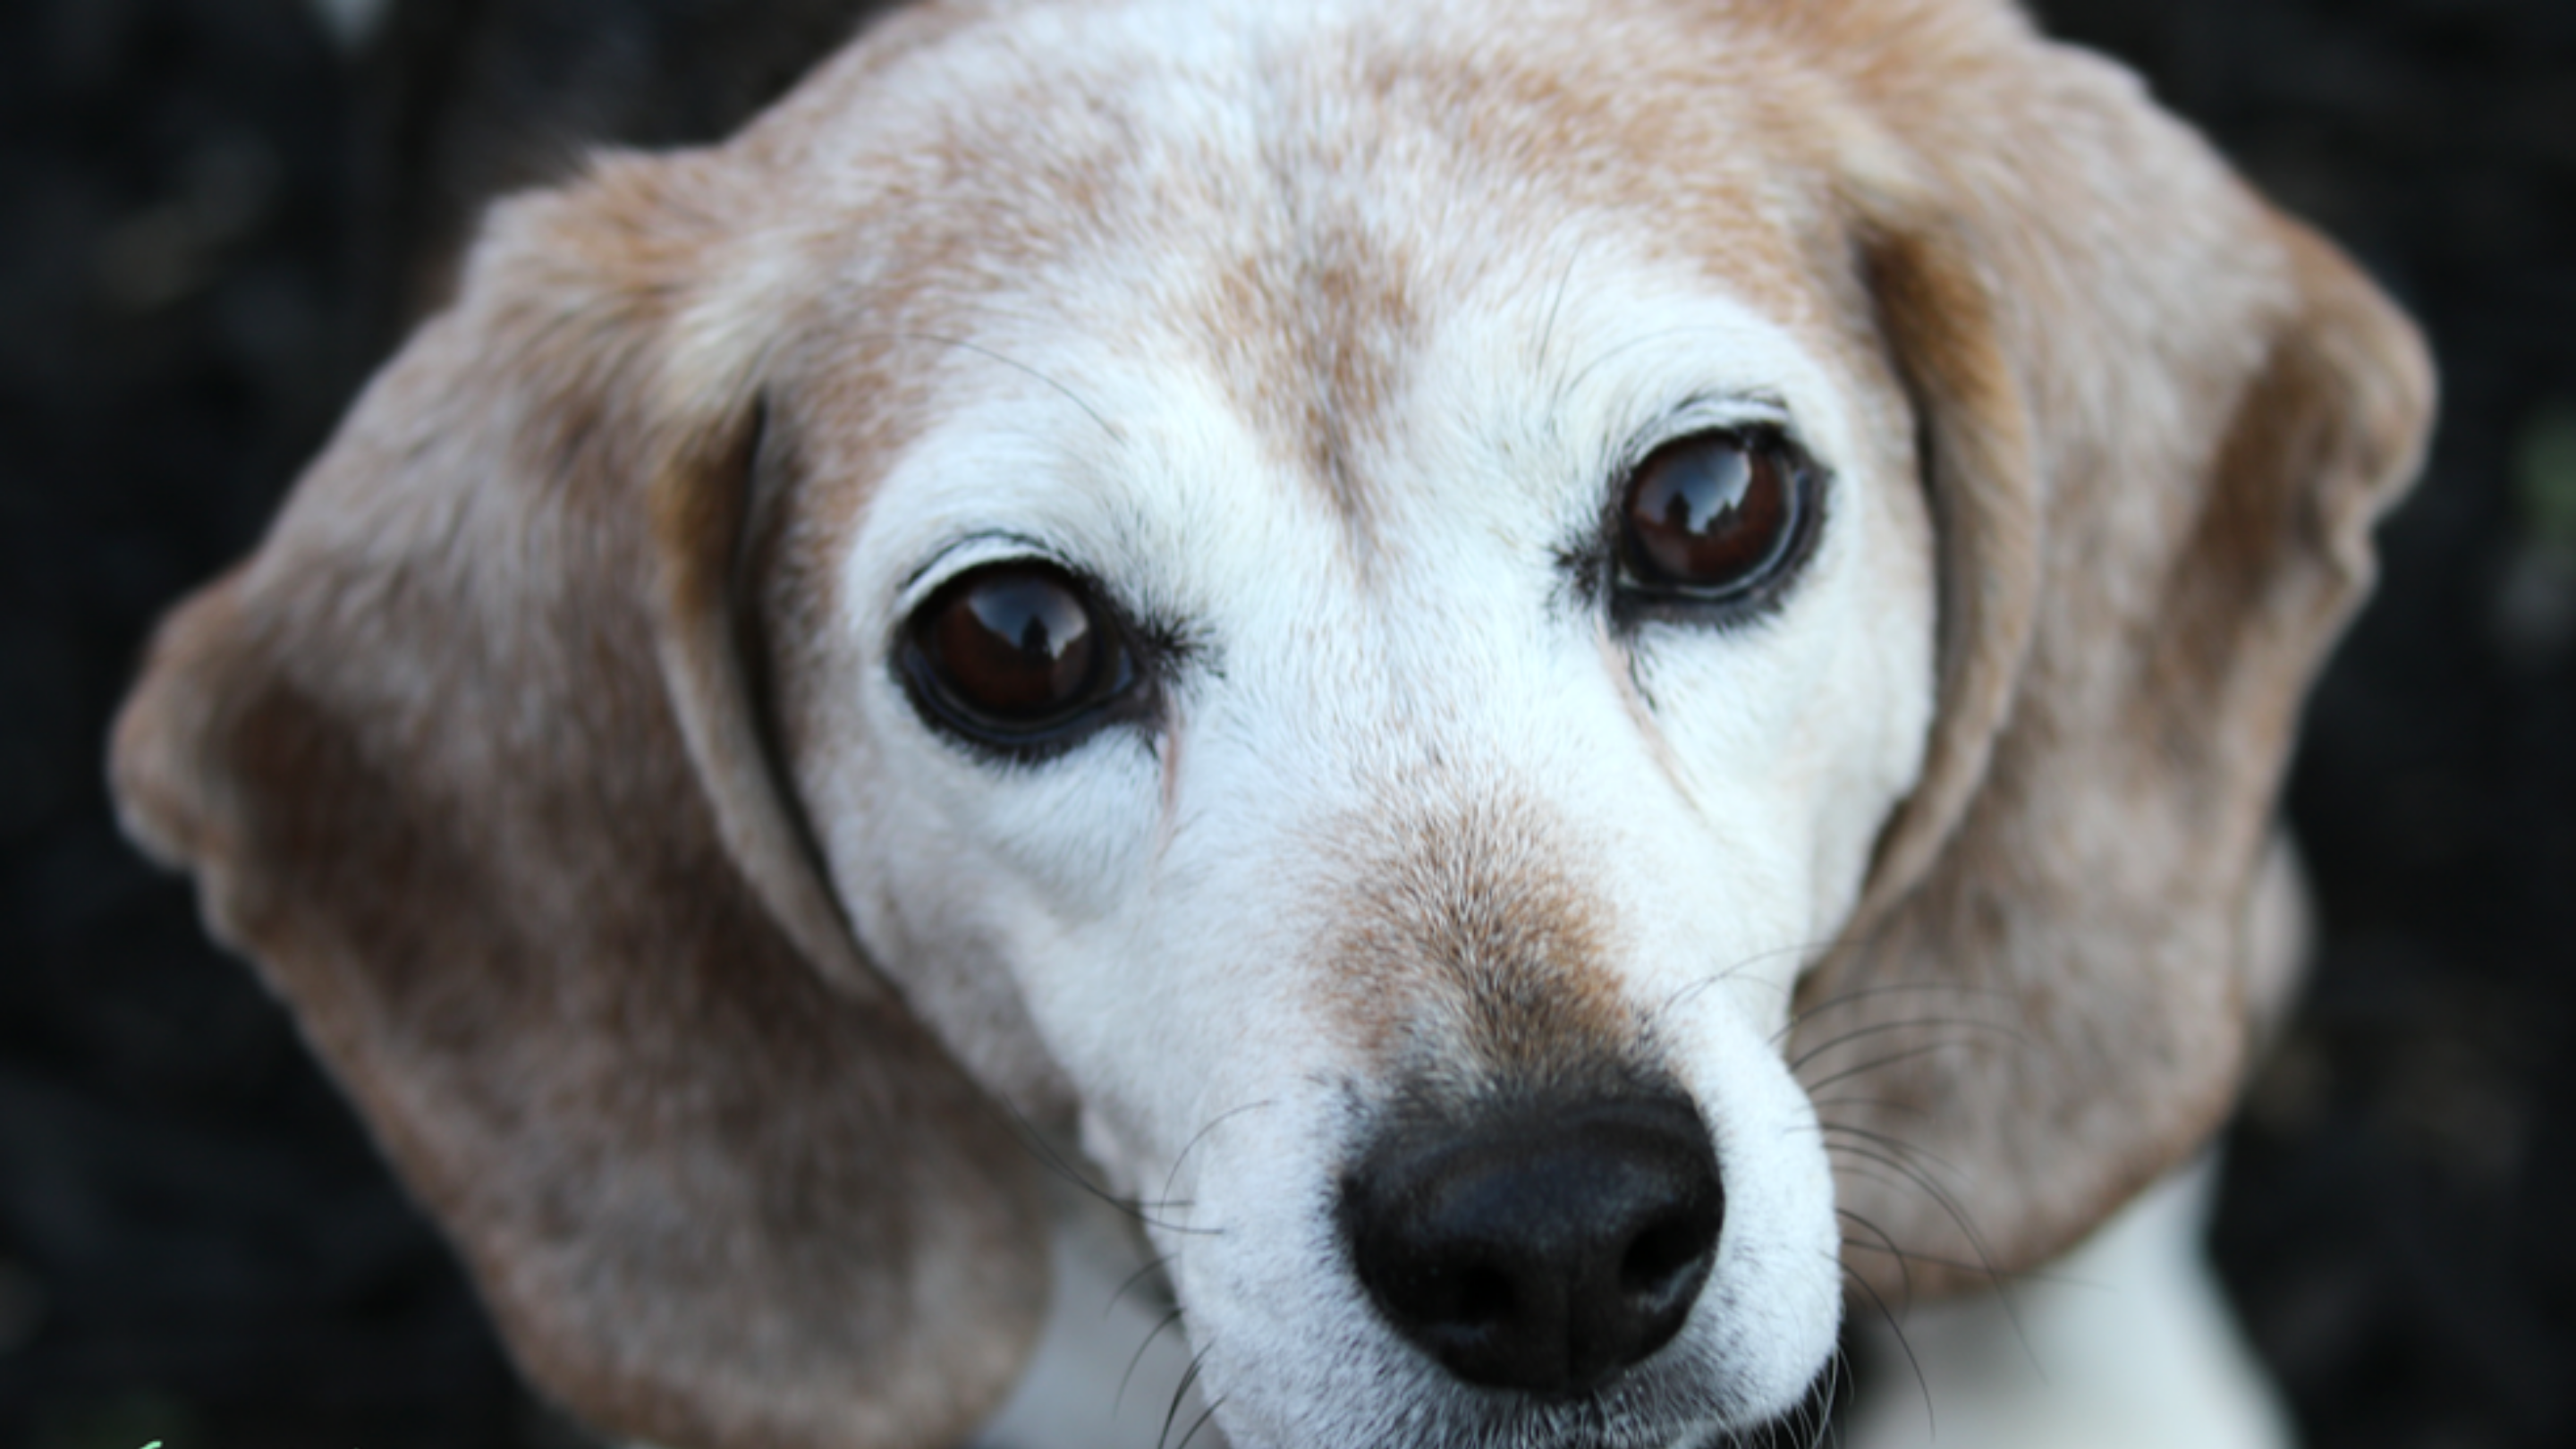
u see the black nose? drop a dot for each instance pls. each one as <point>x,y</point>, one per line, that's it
<point>1542,1248</point>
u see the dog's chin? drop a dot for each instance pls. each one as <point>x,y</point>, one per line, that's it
<point>1610,1422</point>
<point>1682,1400</point>
<point>1649,1414</point>
<point>1677,1410</point>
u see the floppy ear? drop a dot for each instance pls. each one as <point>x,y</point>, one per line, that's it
<point>465,757</point>
<point>2157,421</point>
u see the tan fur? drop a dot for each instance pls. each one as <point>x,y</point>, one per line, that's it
<point>2169,487</point>
<point>423,757</point>
<point>481,756</point>
<point>1470,956</point>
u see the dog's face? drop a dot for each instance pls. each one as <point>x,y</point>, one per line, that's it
<point>1360,603</point>
<point>1477,650</point>
<point>1478,647</point>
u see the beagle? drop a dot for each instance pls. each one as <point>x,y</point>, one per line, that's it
<point>1564,678</point>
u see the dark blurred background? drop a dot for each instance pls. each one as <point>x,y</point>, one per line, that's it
<point>213,219</point>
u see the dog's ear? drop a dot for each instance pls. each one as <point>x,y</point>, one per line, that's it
<point>2156,421</point>
<point>468,758</point>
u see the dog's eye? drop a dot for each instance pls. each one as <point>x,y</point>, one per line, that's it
<point>1016,656</point>
<point>1715,517</point>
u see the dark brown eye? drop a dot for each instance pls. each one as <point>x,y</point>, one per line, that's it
<point>1011,653</point>
<point>1713,516</point>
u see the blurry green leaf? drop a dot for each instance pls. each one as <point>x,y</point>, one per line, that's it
<point>2544,475</point>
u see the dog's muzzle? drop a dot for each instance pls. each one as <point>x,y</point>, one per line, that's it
<point>1546,1245</point>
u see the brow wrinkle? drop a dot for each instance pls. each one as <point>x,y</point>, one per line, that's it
<point>1633,343</point>
<point>980,350</point>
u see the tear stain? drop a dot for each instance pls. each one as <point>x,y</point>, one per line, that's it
<point>1471,957</point>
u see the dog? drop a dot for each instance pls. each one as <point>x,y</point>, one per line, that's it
<point>1567,682</point>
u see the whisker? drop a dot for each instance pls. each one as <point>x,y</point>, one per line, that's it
<point>1892,1144</point>
<point>1037,1145</point>
<point>1958,1265</point>
<point>1958,1215</point>
<point>1931,1189</point>
<point>1904,1264</point>
<point>1180,1391</point>
<point>1199,1423</point>
<point>1124,1379</point>
<point>1213,1123</point>
<point>1859,994</point>
<point>1730,971</point>
<point>1886,1061</point>
<point>1837,1368</point>
<point>1931,1425</point>
<point>1132,1279</point>
<point>1884,1104</point>
<point>1818,1408</point>
<point>1901,1181</point>
<point>1910,1023</point>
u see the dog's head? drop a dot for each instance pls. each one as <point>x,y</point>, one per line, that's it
<point>1559,671</point>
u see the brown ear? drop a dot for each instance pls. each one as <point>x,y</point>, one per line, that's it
<point>465,758</point>
<point>2157,421</point>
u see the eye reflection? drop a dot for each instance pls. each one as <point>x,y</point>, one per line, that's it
<point>1015,645</point>
<point>1015,655</point>
<point>1713,516</point>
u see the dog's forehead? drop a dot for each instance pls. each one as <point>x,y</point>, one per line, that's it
<point>1292,197</point>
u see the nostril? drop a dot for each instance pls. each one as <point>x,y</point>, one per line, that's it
<point>1671,1247</point>
<point>1544,1247</point>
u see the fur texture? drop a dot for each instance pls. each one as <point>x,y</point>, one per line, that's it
<point>550,756</point>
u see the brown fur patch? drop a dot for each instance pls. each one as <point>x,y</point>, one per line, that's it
<point>1472,957</point>
<point>428,755</point>
<point>1313,344</point>
<point>2149,534</point>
